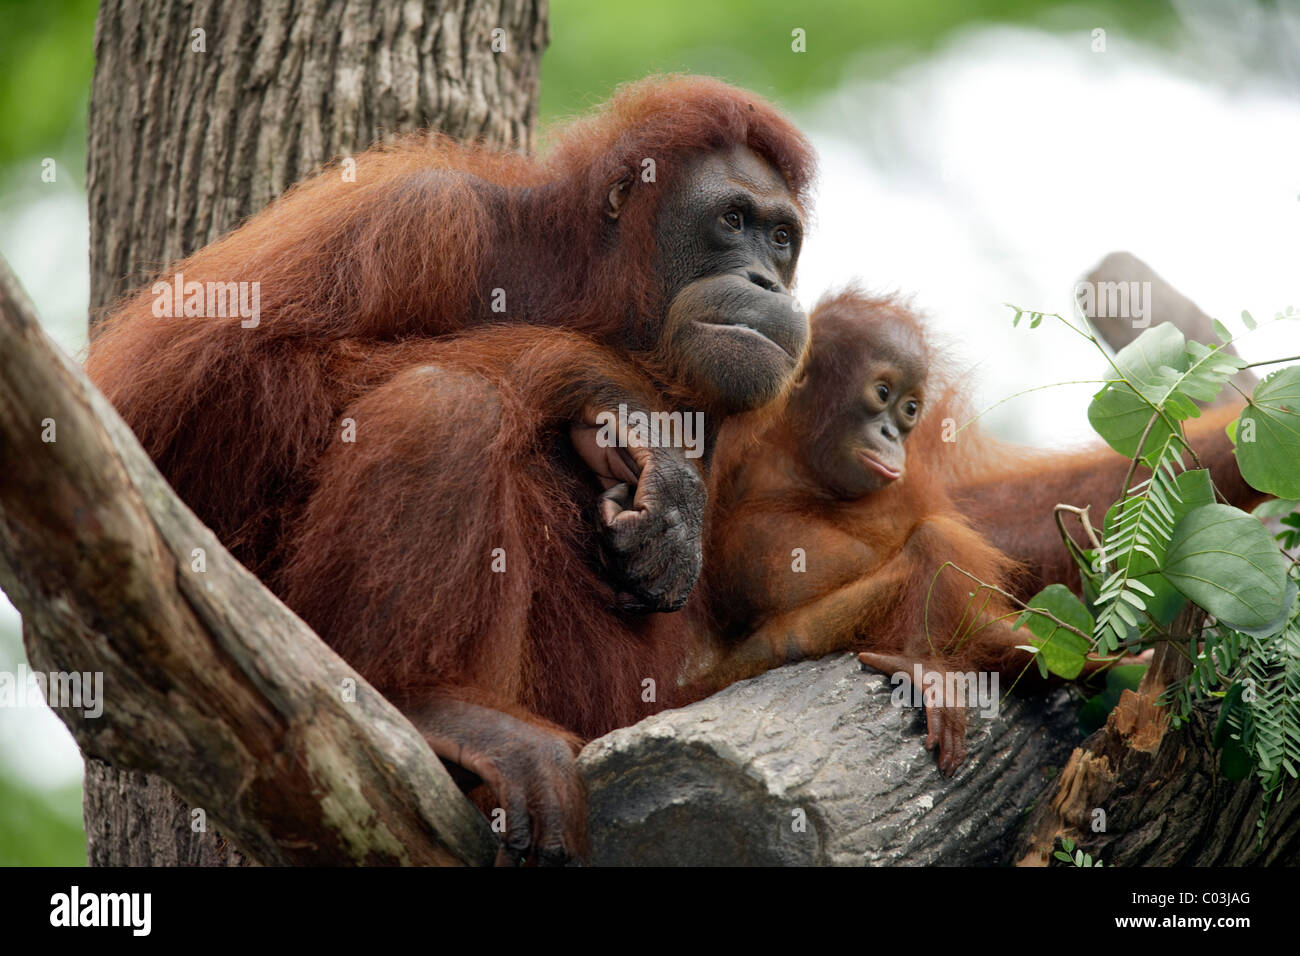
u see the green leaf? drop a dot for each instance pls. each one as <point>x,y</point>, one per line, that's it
<point>1137,531</point>
<point>1290,533</point>
<point>1159,369</point>
<point>1119,415</point>
<point>1248,319</point>
<point>1225,561</point>
<point>1277,508</point>
<point>1133,599</point>
<point>1061,651</point>
<point>1195,489</point>
<point>1118,412</point>
<point>1221,331</point>
<point>1268,435</point>
<point>1231,705</point>
<point>1269,628</point>
<point>1166,601</point>
<point>1159,347</point>
<point>1235,759</point>
<point>1208,371</point>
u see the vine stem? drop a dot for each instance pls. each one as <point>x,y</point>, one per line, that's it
<point>1085,520</point>
<point>1091,336</point>
<point>1123,491</point>
<point>1289,358</point>
<point>1010,597</point>
<point>1236,388</point>
<point>1036,388</point>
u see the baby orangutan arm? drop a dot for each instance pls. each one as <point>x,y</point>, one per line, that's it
<point>882,612</point>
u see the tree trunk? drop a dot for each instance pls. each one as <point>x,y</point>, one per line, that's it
<point>190,132</point>
<point>1138,793</point>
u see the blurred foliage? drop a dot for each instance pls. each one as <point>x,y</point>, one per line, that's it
<point>40,827</point>
<point>46,50</point>
<point>46,55</point>
<point>595,45</point>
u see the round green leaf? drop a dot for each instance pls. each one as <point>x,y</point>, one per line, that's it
<point>1268,435</point>
<point>1225,561</point>
<point>1235,760</point>
<point>1119,415</point>
<point>1159,347</point>
<point>1061,650</point>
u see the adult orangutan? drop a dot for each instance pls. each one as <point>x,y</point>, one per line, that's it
<point>827,536</point>
<point>438,505</point>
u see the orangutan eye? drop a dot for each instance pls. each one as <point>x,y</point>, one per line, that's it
<point>733,219</point>
<point>882,392</point>
<point>911,408</point>
<point>781,236</point>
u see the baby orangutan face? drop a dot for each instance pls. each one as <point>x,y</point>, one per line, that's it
<point>861,450</point>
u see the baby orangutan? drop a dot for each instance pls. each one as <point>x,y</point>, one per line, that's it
<point>828,536</point>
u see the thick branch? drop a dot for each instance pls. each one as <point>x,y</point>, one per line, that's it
<point>813,764</point>
<point>208,680</point>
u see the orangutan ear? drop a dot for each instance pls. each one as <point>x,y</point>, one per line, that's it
<point>618,194</point>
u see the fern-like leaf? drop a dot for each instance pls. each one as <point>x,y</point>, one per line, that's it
<point>1143,526</point>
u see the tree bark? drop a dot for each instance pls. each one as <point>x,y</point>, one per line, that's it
<point>184,665</point>
<point>813,764</point>
<point>184,144</point>
<point>1161,797</point>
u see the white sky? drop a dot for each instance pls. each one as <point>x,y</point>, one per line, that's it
<point>1000,170</point>
<point>1006,168</point>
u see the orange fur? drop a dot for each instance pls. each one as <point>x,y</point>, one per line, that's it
<point>873,575</point>
<point>464,453</point>
<point>350,272</point>
<point>877,575</point>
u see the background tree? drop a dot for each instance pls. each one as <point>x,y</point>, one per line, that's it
<point>200,114</point>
